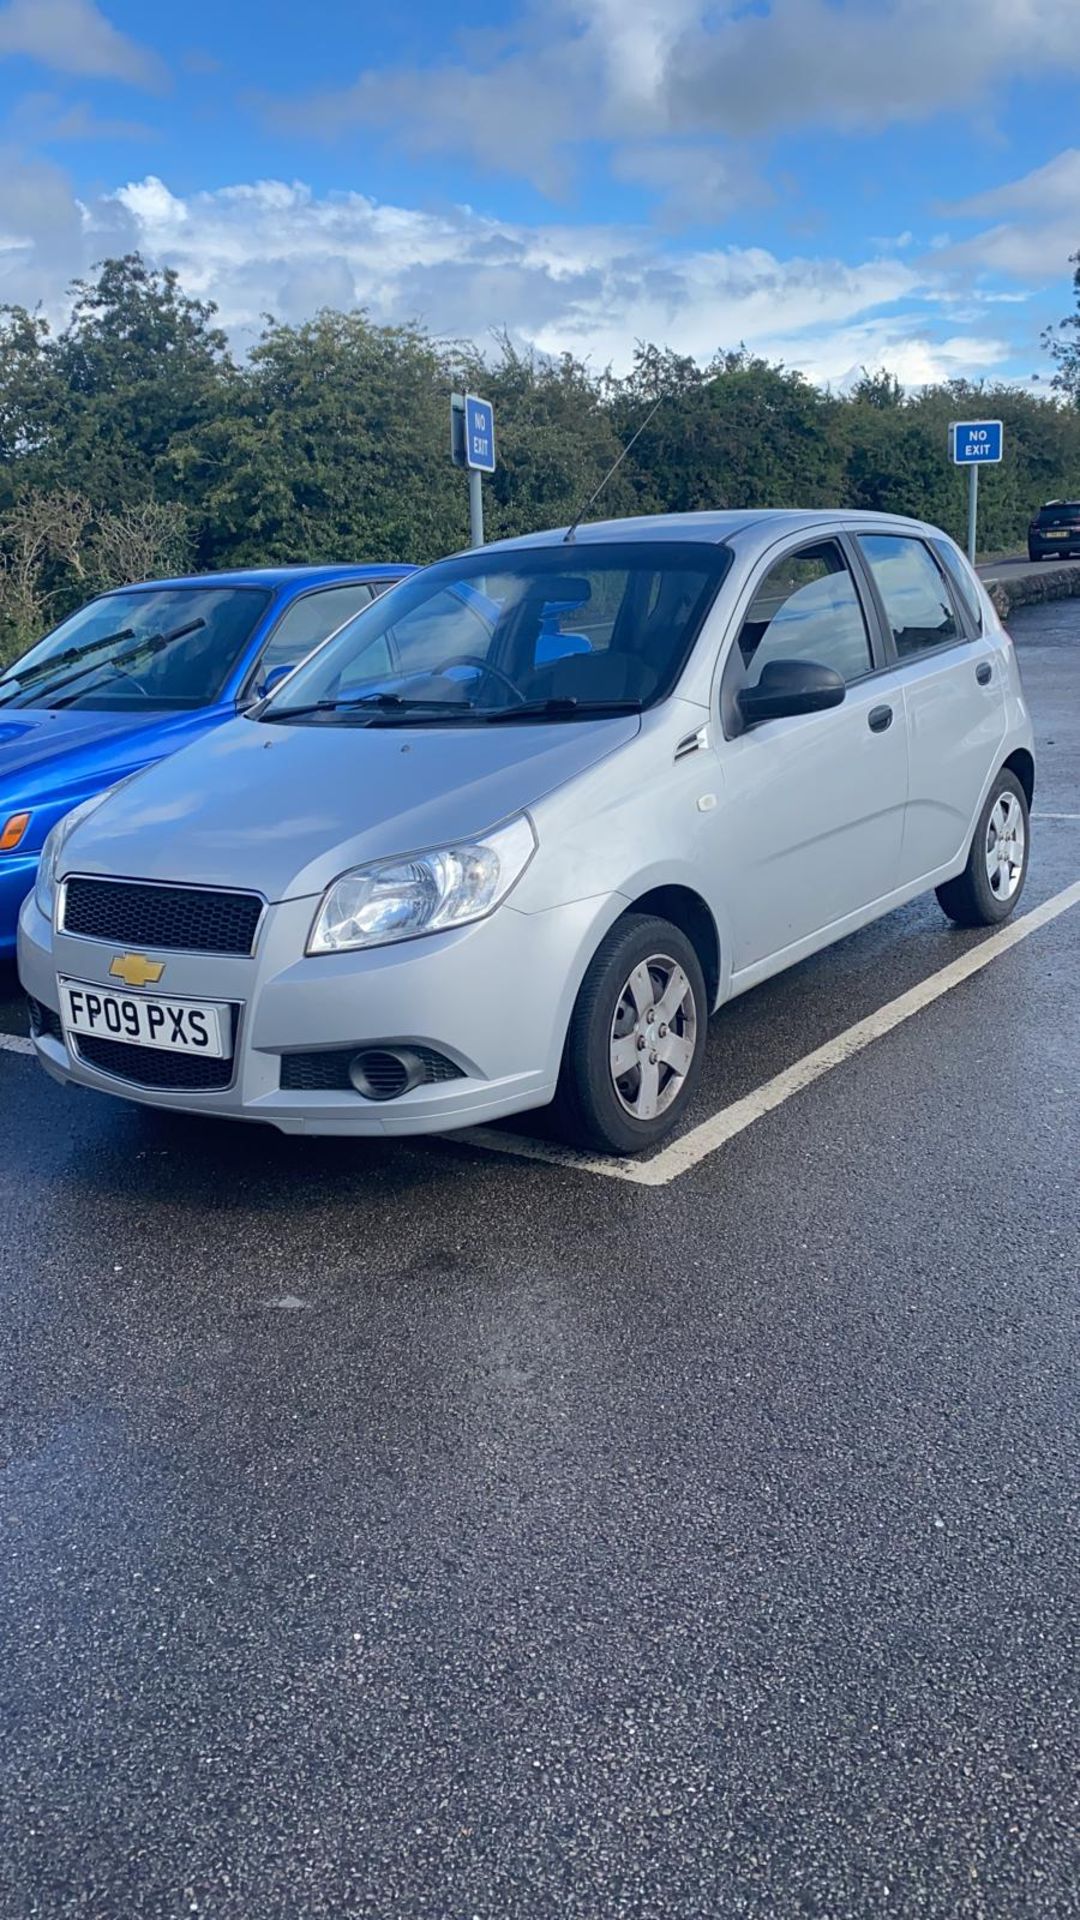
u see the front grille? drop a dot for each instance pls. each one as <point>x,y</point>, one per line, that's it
<point>328,1072</point>
<point>43,1021</point>
<point>153,1067</point>
<point>183,919</point>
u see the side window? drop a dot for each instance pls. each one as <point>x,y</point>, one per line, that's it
<point>312,618</point>
<point>964,585</point>
<point>915,596</point>
<point>807,608</point>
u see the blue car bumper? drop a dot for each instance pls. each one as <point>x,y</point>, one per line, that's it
<point>17,873</point>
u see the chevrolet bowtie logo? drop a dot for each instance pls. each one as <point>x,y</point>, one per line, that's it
<point>135,970</point>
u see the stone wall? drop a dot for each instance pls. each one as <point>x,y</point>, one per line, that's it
<point>1025,589</point>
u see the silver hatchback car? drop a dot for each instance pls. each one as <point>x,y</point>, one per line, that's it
<point>519,828</point>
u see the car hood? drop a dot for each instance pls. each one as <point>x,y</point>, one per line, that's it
<point>284,809</point>
<point>43,751</point>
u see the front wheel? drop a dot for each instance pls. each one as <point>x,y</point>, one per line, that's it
<point>991,884</point>
<point>637,1034</point>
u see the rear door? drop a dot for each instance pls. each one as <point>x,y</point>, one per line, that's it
<point>952,679</point>
<point>814,804</point>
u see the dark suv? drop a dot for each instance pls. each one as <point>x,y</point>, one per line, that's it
<point>1055,531</point>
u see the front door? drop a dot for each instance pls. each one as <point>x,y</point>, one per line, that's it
<point>813,806</point>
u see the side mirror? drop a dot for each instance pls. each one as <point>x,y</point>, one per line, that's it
<point>788,687</point>
<point>273,679</point>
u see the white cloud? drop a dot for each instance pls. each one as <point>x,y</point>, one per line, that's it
<point>629,71</point>
<point>807,63</point>
<point>694,183</point>
<point>1040,228</point>
<point>273,246</point>
<point>916,359</point>
<point>43,119</point>
<point>73,36</point>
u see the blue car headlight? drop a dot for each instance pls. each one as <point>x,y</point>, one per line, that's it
<point>423,892</point>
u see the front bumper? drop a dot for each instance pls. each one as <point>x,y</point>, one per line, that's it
<point>494,998</point>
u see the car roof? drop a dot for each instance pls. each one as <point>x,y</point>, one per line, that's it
<point>299,576</point>
<point>764,524</point>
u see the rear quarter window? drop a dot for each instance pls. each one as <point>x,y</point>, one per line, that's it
<point>964,584</point>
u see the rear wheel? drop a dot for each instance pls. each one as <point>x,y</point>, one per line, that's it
<point>991,884</point>
<point>633,1052</point>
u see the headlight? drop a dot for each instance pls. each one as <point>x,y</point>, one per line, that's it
<point>55,841</point>
<point>422,892</point>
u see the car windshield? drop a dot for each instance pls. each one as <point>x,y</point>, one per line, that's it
<point>168,647</point>
<point>544,633</point>
<point>1056,511</point>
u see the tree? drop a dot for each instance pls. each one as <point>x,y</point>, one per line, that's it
<point>140,542</point>
<point>557,438</point>
<point>1062,343</point>
<point>41,545</point>
<point>331,441</point>
<point>140,363</point>
<point>878,388</point>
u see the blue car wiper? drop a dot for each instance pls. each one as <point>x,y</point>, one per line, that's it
<point>65,659</point>
<point>151,644</point>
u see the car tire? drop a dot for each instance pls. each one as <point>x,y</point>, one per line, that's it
<point>642,959</point>
<point>988,890</point>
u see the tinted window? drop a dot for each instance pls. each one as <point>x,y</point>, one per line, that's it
<point>312,618</point>
<point>1060,514</point>
<point>149,647</point>
<point>807,608</point>
<point>916,599</point>
<point>963,582</point>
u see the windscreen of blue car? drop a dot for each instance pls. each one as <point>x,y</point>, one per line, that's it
<point>151,647</point>
<point>548,632</point>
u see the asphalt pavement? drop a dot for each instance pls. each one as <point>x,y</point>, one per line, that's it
<point>1018,563</point>
<point>416,1530</point>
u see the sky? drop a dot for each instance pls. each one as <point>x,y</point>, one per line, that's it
<point>837,183</point>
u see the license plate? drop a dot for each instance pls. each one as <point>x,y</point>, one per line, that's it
<point>1063,535</point>
<point>146,1020</point>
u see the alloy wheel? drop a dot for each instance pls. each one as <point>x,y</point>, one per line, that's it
<point>653,1037</point>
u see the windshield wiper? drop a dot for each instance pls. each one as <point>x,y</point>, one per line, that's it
<point>153,643</point>
<point>558,709</point>
<point>65,659</point>
<point>379,702</point>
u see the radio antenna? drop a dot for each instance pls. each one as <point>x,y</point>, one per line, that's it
<point>568,536</point>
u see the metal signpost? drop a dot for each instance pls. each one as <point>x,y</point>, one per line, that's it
<point>975,444</point>
<point>472,445</point>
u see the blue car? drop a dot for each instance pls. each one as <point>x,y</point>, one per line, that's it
<point>140,672</point>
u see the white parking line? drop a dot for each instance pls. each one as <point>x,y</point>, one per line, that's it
<point>695,1146</point>
<point>1056,816</point>
<point>692,1147</point>
<point>15,1043</point>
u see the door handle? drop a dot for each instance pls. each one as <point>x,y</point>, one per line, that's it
<point>983,673</point>
<point>880,719</point>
